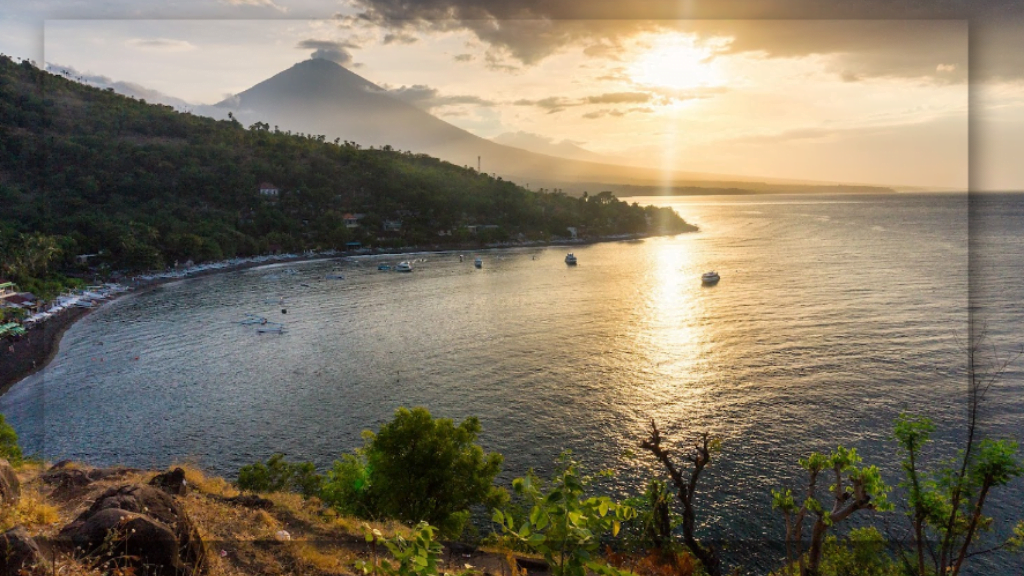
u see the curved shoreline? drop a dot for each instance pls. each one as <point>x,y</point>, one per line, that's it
<point>34,351</point>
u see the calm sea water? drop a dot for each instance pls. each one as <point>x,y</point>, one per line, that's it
<point>833,314</point>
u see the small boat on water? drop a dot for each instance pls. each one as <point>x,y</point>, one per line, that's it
<point>336,275</point>
<point>479,263</point>
<point>570,259</point>
<point>384,267</point>
<point>252,319</point>
<point>271,328</point>
<point>403,267</point>
<point>710,277</point>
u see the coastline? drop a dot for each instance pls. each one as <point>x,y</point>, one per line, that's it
<point>34,351</point>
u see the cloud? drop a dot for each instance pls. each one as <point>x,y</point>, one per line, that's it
<point>161,44</point>
<point>552,103</point>
<point>335,51</point>
<point>130,89</point>
<point>463,57</point>
<point>619,98</point>
<point>428,98</point>
<point>257,3</point>
<point>657,95</point>
<point>399,38</point>
<point>868,38</point>
<point>615,112</point>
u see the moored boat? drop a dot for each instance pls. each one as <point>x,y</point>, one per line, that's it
<point>479,263</point>
<point>403,267</point>
<point>570,259</point>
<point>710,277</point>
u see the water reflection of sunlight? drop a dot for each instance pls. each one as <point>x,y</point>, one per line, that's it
<point>673,332</point>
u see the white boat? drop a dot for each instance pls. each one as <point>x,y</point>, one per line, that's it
<point>403,267</point>
<point>479,263</point>
<point>253,319</point>
<point>570,259</point>
<point>710,277</point>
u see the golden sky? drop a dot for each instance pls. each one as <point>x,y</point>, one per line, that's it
<point>881,101</point>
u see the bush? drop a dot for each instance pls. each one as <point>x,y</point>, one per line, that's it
<point>9,448</point>
<point>279,475</point>
<point>564,525</point>
<point>415,469</point>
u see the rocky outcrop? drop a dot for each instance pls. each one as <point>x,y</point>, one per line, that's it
<point>10,488</point>
<point>19,553</point>
<point>65,476</point>
<point>251,501</point>
<point>172,482</point>
<point>141,527</point>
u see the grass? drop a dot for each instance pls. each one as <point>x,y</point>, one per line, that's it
<point>239,540</point>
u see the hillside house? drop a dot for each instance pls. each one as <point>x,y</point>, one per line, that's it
<point>392,225</point>
<point>269,191</point>
<point>352,220</point>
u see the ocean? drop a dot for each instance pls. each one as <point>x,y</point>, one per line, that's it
<point>833,314</point>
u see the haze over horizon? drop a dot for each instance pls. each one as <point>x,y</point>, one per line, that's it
<point>880,102</point>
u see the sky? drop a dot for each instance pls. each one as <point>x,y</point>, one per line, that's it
<point>928,95</point>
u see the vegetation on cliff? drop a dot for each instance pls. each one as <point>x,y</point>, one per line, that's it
<point>88,171</point>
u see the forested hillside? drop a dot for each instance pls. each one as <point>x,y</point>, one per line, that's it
<point>87,171</point>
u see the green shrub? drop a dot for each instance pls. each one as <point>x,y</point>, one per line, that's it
<point>418,556</point>
<point>9,448</point>
<point>564,525</point>
<point>417,468</point>
<point>279,475</point>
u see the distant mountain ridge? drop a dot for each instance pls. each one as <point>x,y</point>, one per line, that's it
<point>321,97</point>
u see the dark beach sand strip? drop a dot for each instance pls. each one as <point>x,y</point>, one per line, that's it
<point>35,349</point>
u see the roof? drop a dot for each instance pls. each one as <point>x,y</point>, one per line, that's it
<point>265,185</point>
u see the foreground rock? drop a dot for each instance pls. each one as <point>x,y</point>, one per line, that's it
<point>172,482</point>
<point>10,488</point>
<point>139,527</point>
<point>65,476</point>
<point>19,553</point>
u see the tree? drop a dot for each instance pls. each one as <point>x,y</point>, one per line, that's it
<point>418,468</point>
<point>686,490</point>
<point>854,489</point>
<point>946,506</point>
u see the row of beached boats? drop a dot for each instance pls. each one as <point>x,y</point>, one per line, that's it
<point>232,263</point>
<point>89,297</point>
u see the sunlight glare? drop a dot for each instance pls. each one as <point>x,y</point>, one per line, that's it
<point>676,62</point>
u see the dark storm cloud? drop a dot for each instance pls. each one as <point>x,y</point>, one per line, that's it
<point>428,98</point>
<point>529,30</point>
<point>329,50</point>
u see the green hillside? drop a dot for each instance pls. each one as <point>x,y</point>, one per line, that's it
<point>88,171</point>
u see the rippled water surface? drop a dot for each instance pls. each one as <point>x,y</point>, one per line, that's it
<point>832,315</point>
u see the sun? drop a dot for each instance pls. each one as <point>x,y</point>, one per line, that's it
<point>676,62</point>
